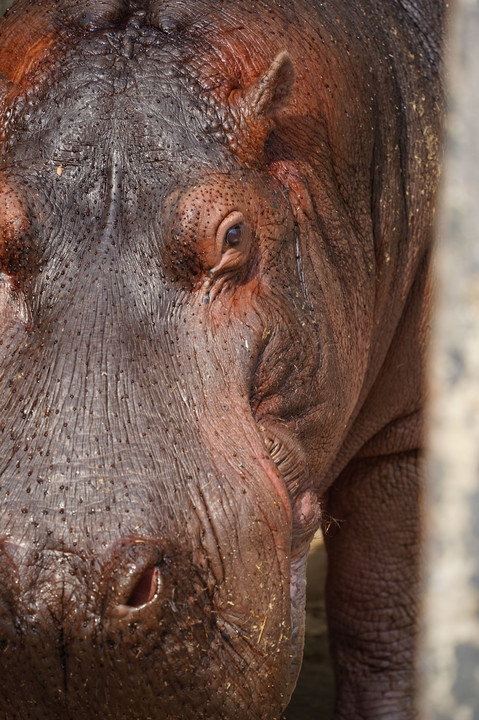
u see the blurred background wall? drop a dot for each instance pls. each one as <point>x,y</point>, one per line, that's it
<point>450,649</point>
<point>4,4</point>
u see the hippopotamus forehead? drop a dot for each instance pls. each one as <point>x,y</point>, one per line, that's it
<point>150,104</point>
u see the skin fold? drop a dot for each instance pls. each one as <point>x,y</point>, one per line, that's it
<point>215,239</point>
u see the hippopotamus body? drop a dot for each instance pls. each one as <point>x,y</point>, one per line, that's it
<point>215,229</point>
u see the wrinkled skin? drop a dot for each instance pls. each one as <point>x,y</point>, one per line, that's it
<point>215,225</point>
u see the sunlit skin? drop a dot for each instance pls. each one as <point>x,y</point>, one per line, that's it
<point>215,230</point>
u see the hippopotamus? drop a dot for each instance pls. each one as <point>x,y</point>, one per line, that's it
<point>215,241</point>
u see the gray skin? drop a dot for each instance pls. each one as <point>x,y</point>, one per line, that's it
<point>215,229</point>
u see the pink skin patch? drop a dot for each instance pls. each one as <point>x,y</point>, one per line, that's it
<point>305,510</point>
<point>278,484</point>
<point>304,518</point>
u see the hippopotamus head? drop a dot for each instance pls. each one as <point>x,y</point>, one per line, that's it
<point>178,360</point>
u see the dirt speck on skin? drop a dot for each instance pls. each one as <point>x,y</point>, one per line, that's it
<point>314,695</point>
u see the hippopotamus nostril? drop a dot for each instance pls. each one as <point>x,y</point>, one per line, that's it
<point>145,589</point>
<point>136,579</point>
<point>143,592</point>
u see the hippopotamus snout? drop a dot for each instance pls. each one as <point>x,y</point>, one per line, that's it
<point>71,622</point>
<point>66,588</point>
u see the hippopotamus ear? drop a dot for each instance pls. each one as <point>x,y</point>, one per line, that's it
<point>256,109</point>
<point>271,93</point>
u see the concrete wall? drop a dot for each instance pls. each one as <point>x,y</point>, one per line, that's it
<point>450,654</point>
<point>4,4</point>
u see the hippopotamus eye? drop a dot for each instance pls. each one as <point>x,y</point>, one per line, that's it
<point>233,236</point>
<point>211,232</point>
<point>232,232</point>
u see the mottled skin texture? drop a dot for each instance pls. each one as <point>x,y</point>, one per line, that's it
<point>215,228</point>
